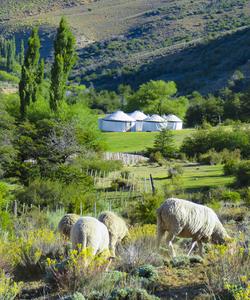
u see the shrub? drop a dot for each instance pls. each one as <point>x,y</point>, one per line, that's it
<point>78,271</point>
<point>156,157</point>
<point>139,249</point>
<point>243,173</point>
<point>9,289</point>
<point>175,171</point>
<point>31,249</point>
<point>145,210</point>
<point>211,157</point>
<point>229,270</point>
<point>131,293</point>
<point>230,196</point>
<point>230,167</point>
<point>146,271</point>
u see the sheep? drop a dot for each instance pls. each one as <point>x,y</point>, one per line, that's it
<point>190,220</point>
<point>117,229</point>
<point>66,224</point>
<point>89,232</point>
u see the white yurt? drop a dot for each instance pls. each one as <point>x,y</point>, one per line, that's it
<point>154,123</point>
<point>117,122</point>
<point>173,122</point>
<point>138,116</point>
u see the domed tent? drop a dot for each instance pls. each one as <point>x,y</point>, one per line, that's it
<point>138,116</point>
<point>154,123</point>
<point>173,122</point>
<point>117,122</point>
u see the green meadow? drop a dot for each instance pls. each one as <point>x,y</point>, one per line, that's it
<point>137,141</point>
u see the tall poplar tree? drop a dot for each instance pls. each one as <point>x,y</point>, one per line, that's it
<point>64,59</point>
<point>30,73</point>
<point>21,54</point>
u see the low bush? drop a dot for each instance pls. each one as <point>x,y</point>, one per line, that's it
<point>230,196</point>
<point>243,173</point>
<point>145,210</point>
<point>229,270</point>
<point>79,272</point>
<point>139,249</point>
<point>146,271</point>
<point>9,289</point>
<point>131,293</point>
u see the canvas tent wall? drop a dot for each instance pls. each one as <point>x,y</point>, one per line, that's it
<point>154,123</point>
<point>173,122</point>
<point>138,116</point>
<point>117,122</point>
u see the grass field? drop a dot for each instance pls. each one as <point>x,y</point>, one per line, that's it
<point>138,141</point>
<point>194,177</point>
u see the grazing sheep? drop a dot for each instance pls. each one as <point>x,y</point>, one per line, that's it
<point>116,226</point>
<point>190,220</point>
<point>89,232</point>
<point>66,224</point>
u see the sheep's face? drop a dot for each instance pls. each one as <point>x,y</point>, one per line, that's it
<point>220,237</point>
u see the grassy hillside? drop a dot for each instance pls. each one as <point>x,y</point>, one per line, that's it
<point>194,177</point>
<point>137,141</point>
<point>199,44</point>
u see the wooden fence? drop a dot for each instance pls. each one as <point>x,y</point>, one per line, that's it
<point>126,158</point>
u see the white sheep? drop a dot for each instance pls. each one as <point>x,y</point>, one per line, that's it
<point>66,224</point>
<point>190,220</point>
<point>88,232</point>
<point>117,229</point>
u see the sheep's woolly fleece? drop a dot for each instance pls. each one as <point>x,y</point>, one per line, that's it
<point>116,226</point>
<point>66,223</point>
<point>91,233</point>
<point>187,219</point>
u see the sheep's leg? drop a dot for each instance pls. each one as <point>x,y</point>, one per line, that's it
<point>112,245</point>
<point>192,247</point>
<point>160,233</point>
<point>200,248</point>
<point>169,240</point>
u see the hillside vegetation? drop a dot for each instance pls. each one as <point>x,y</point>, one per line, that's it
<point>134,41</point>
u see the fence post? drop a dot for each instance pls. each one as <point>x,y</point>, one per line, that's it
<point>152,184</point>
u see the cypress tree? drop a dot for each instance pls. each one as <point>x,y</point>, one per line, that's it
<point>21,54</point>
<point>10,57</point>
<point>64,60</point>
<point>29,77</point>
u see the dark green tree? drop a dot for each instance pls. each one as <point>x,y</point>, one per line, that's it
<point>21,54</point>
<point>64,59</point>
<point>30,73</point>
<point>164,143</point>
<point>10,56</point>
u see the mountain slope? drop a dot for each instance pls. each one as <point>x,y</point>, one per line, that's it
<point>136,40</point>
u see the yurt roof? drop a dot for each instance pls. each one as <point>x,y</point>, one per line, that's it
<point>138,115</point>
<point>119,116</point>
<point>172,118</point>
<point>155,118</point>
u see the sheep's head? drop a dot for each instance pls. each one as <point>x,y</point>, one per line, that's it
<point>220,236</point>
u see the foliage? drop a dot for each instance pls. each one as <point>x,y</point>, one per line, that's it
<point>30,76</point>
<point>131,293</point>
<point>144,211</point>
<point>139,249</point>
<point>64,60</point>
<point>146,271</point>
<point>5,76</point>
<point>158,97</point>
<point>218,139</point>
<point>76,273</point>
<point>164,143</point>
<point>229,269</point>
<point>243,173</point>
<point>9,289</point>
